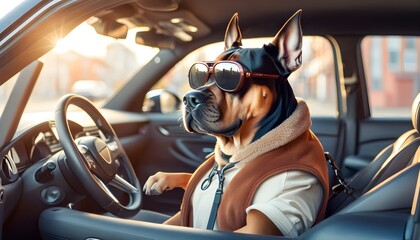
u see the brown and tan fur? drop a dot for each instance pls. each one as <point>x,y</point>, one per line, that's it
<point>252,108</point>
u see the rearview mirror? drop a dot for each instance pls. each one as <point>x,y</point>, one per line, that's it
<point>110,28</point>
<point>154,39</point>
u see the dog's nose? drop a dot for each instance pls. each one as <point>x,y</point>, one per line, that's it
<point>194,98</point>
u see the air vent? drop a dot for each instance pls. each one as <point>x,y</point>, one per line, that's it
<point>8,171</point>
<point>91,131</point>
<point>52,142</point>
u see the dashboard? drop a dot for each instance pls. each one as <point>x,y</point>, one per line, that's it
<point>33,144</point>
<point>36,138</point>
<point>29,184</point>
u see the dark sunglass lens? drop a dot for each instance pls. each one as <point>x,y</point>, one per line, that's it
<point>227,75</point>
<point>198,75</point>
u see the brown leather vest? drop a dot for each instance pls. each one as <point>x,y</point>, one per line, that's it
<point>304,153</point>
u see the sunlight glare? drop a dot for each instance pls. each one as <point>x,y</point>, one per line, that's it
<point>83,40</point>
<point>61,46</point>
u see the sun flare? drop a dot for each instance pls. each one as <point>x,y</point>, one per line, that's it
<point>84,40</point>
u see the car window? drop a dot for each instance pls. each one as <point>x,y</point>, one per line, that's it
<point>315,81</point>
<point>392,71</point>
<point>11,11</point>
<point>87,64</point>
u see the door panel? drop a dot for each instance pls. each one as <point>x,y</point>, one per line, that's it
<point>188,148</point>
<point>193,151</point>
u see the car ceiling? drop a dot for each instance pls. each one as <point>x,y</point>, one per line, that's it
<point>257,19</point>
<point>346,17</point>
<point>330,13</point>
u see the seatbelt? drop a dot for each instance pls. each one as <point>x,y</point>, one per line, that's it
<point>218,195</point>
<point>342,185</point>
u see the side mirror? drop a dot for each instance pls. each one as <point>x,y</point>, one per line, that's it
<point>161,101</point>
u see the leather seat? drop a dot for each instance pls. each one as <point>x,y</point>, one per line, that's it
<point>381,213</point>
<point>388,162</point>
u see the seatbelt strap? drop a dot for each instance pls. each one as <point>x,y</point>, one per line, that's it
<point>342,185</point>
<point>218,194</point>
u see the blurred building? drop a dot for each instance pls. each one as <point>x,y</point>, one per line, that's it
<point>62,70</point>
<point>392,70</point>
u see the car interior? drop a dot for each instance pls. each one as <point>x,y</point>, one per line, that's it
<point>62,110</point>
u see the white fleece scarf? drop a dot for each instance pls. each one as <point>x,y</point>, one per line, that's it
<point>291,128</point>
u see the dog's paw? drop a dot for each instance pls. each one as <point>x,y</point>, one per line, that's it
<point>156,184</point>
<point>163,181</point>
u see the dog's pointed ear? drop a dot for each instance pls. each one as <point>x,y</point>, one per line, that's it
<point>289,43</point>
<point>233,35</point>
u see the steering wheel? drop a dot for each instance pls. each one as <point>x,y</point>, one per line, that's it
<point>96,161</point>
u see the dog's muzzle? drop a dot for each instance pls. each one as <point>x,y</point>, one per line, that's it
<point>201,115</point>
<point>193,101</point>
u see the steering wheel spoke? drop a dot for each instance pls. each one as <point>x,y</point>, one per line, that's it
<point>106,189</point>
<point>123,185</point>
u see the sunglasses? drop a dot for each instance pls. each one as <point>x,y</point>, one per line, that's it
<point>228,75</point>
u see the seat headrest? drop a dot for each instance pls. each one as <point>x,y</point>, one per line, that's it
<point>415,113</point>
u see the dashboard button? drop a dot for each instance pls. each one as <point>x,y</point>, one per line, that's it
<point>52,195</point>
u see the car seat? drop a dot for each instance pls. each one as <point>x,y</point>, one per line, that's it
<point>389,161</point>
<point>383,212</point>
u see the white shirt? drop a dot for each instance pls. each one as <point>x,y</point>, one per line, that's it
<point>291,200</point>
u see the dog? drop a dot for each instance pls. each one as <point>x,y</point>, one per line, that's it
<point>268,174</point>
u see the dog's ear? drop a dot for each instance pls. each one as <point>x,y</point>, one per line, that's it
<point>289,43</point>
<point>233,35</point>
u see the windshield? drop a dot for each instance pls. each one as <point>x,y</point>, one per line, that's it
<point>87,64</point>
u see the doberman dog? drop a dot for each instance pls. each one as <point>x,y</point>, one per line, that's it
<point>270,166</point>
